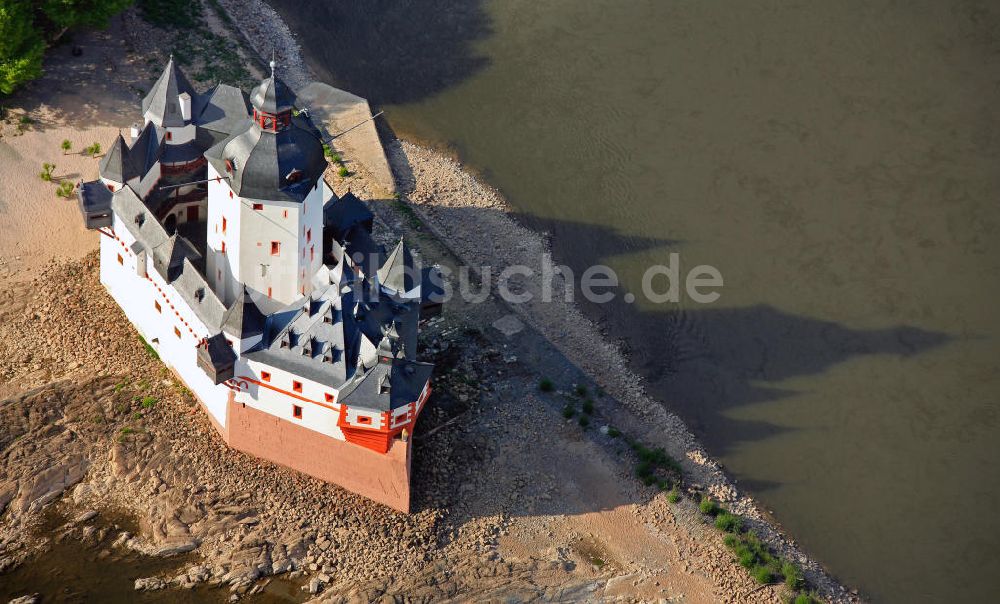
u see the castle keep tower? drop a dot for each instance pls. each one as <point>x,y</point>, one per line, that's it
<point>265,201</point>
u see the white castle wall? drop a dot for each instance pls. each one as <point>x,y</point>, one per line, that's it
<point>137,296</point>
<point>297,228</point>
<point>277,398</point>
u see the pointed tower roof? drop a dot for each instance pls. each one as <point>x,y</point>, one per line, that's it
<point>272,95</point>
<point>161,105</point>
<point>397,272</point>
<point>113,164</point>
<point>244,318</point>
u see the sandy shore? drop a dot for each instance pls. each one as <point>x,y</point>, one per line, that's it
<point>490,523</point>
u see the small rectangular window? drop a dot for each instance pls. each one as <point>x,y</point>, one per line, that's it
<point>296,412</point>
<point>230,195</point>
<point>170,135</point>
<point>177,332</point>
<point>224,223</point>
<point>329,397</point>
<point>309,235</point>
<point>157,306</point>
<point>275,248</point>
<point>297,386</point>
<point>312,253</point>
<point>258,206</point>
<point>120,259</point>
<point>364,419</point>
<point>265,376</point>
<point>285,214</point>
<point>269,293</point>
<point>223,248</point>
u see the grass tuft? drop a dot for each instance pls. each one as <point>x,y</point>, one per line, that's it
<point>546,385</point>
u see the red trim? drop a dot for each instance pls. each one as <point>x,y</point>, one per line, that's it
<point>287,393</point>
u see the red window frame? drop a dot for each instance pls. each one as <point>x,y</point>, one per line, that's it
<point>275,248</point>
<point>121,260</point>
<point>156,305</point>
<point>364,420</point>
<point>265,376</point>
<point>296,411</point>
<point>328,397</point>
<point>258,206</point>
<point>177,332</point>
<point>297,386</point>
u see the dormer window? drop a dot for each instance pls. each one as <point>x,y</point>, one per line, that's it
<point>294,176</point>
<point>230,166</point>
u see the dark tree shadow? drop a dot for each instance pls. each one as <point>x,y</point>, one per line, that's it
<point>387,51</point>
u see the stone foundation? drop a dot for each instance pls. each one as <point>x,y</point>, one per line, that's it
<point>384,478</point>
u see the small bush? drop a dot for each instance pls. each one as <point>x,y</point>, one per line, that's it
<point>93,150</point>
<point>806,599</point>
<point>66,146</point>
<point>614,432</point>
<point>729,523</point>
<point>708,507</point>
<point>793,575</point>
<point>588,406</point>
<point>568,411</point>
<point>580,390</point>
<point>344,172</point>
<point>674,496</point>
<point>149,402</point>
<point>546,385</point>
<point>584,421</point>
<point>25,120</point>
<point>46,173</point>
<point>337,159</point>
<point>65,189</point>
<point>762,574</point>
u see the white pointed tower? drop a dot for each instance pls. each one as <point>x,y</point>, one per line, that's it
<point>265,200</point>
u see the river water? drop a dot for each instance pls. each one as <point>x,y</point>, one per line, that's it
<point>837,162</point>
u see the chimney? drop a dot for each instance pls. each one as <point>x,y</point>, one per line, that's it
<point>185,100</point>
<point>133,132</point>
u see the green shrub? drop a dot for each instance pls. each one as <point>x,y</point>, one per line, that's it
<point>762,574</point>
<point>674,496</point>
<point>793,575</point>
<point>337,159</point>
<point>546,385</point>
<point>149,402</point>
<point>584,421</point>
<point>580,390</point>
<point>65,189</point>
<point>344,172</point>
<point>806,599</point>
<point>729,523</point>
<point>614,432</point>
<point>46,173</point>
<point>709,507</point>
<point>588,406</point>
<point>568,411</point>
<point>66,146</point>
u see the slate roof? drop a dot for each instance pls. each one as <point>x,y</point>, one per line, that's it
<point>398,272</point>
<point>339,215</point>
<point>272,95</point>
<point>244,318</point>
<point>113,165</point>
<point>263,162</point>
<point>161,104</point>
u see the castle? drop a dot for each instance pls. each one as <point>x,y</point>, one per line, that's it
<point>262,290</point>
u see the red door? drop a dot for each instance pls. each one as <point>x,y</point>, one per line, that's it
<point>192,215</point>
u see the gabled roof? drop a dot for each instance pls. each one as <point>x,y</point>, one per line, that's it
<point>244,318</point>
<point>113,164</point>
<point>222,109</point>
<point>339,215</point>
<point>161,105</point>
<point>169,256</point>
<point>398,272</point>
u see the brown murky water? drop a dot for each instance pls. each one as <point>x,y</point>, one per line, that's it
<point>837,162</point>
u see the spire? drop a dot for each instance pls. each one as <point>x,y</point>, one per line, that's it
<point>398,272</point>
<point>161,106</point>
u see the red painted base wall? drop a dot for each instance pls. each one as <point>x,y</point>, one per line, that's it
<point>382,477</point>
